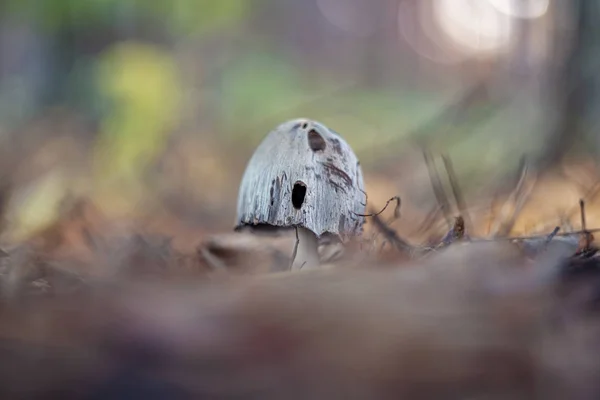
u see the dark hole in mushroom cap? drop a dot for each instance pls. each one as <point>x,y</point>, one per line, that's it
<point>316,141</point>
<point>298,194</point>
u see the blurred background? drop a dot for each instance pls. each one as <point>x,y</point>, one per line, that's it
<point>150,109</point>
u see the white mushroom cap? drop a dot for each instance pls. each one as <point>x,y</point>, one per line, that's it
<point>303,174</point>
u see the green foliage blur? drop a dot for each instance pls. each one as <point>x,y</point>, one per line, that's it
<point>182,16</point>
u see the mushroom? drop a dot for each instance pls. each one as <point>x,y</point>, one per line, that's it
<point>305,176</point>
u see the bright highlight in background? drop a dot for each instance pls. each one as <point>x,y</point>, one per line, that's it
<point>474,25</point>
<point>529,9</point>
<point>479,26</point>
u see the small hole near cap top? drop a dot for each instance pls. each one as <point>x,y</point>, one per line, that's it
<point>316,141</point>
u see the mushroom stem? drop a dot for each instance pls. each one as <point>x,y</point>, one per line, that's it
<point>306,252</point>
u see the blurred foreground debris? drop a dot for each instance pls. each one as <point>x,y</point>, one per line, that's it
<point>472,321</point>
